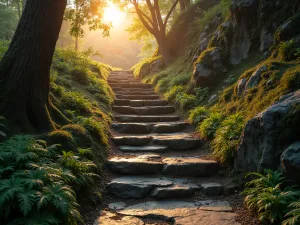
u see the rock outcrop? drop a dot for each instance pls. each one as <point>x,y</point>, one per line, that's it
<point>260,147</point>
<point>290,161</point>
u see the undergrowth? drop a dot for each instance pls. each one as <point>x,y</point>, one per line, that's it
<point>45,178</point>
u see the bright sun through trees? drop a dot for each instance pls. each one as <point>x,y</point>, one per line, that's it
<point>113,14</point>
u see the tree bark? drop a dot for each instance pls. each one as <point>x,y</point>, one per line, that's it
<point>164,48</point>
<point>25,68</point>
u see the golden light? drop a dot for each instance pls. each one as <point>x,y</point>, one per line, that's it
<point>113,15</point>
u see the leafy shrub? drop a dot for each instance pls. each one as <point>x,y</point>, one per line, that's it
<point>186,101</point>
<point>268,196</point>
<point>36,182</point>
<point>198,114</point>
<point>209,126</point>
<point>201,94</point>
<point>227,138</point>
<point>95,127</point>
<point>287,50</point>
<point>75,101</point>
<point>293,215</point>
<point>176,90</point>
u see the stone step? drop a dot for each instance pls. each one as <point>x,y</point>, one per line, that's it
<point>149,110</point>
<point>143,186</point>
<point>154,164</point>
<point>130,85</point>
<point>131,118</point>
<point>131,90</point>
<point>150,92</point>
<point>140,103</point>
<point>181,141</point>
<point>146,128</point>
<point>150,148</point>
<point>138,97</point>
<point>208,212</point>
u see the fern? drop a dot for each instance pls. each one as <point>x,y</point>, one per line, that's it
<point>26,201</point>
<point>9,188</point>
<point>293,215</point>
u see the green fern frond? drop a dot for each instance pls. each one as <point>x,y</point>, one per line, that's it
<point>9,188</point>
<point>26,201</point>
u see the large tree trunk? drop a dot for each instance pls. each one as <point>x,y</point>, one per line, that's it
<point>25,68</point>
<point>164,48</point>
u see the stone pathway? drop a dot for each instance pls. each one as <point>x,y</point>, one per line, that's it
<point>157,170</point>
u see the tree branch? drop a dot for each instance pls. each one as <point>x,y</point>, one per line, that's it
<point>153,15</point>
<point>142,17</point>
<point>158,15</point>
<point>170,12</point>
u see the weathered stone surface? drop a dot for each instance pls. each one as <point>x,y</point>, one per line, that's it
<point>170,127</point>
<point>189,167</point>
<point>149,110</point>
<point>209,68</point>
<point>198,216</point>
<point>177,190</point>
<point>255,77</point>
<point>171,209</point>
<point>241,86</point>
<point>136,165</point>
<point>131,118</point>
<point>259,148</point>
<point>290,161</point>
<point>151,148</point>
<point>121,102</point>
<point>135,186</point>
<point>133,128</point>
<point>117,205</point>
<point>211,189</point>
<point>178,142</point>
<point>132,140</point>
<point>138,97</point>
<point>108,218</point>
<point>289,29</point>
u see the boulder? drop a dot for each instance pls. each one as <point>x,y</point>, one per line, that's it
<point>241,86</point>
<point>208,68</point>
<point>260,147</point>
<point>290,161</point>
<point>289,29</point>
<point>255,77</point>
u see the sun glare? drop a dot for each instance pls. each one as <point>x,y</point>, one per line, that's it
<point>113,14</point>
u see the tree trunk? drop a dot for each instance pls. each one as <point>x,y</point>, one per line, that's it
<point>164,48</point>
<point>25,68</point>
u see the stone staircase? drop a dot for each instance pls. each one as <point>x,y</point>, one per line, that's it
<point>158,170</point>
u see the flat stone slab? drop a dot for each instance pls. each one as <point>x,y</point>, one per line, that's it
<point>211,189</point>
<point>108,218</point>
<point>136,186</point>
<point>131,118</point>
<point>132,140</point>
<point>178,142</point>
<point>178,166</point>
<point>137,165</point>
<point>172,209</point>
<point>148,110</point>
<point>117,205</point>
<point>170,128</point>
<point>151,148</point>
<point>200,217</point>
<point>177,190</point>
<point>138,97</point>
<point>139,128</point>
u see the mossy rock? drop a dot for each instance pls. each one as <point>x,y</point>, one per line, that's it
<point>62,137</point>
<point>289,29</point>
<point>80,134</point>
